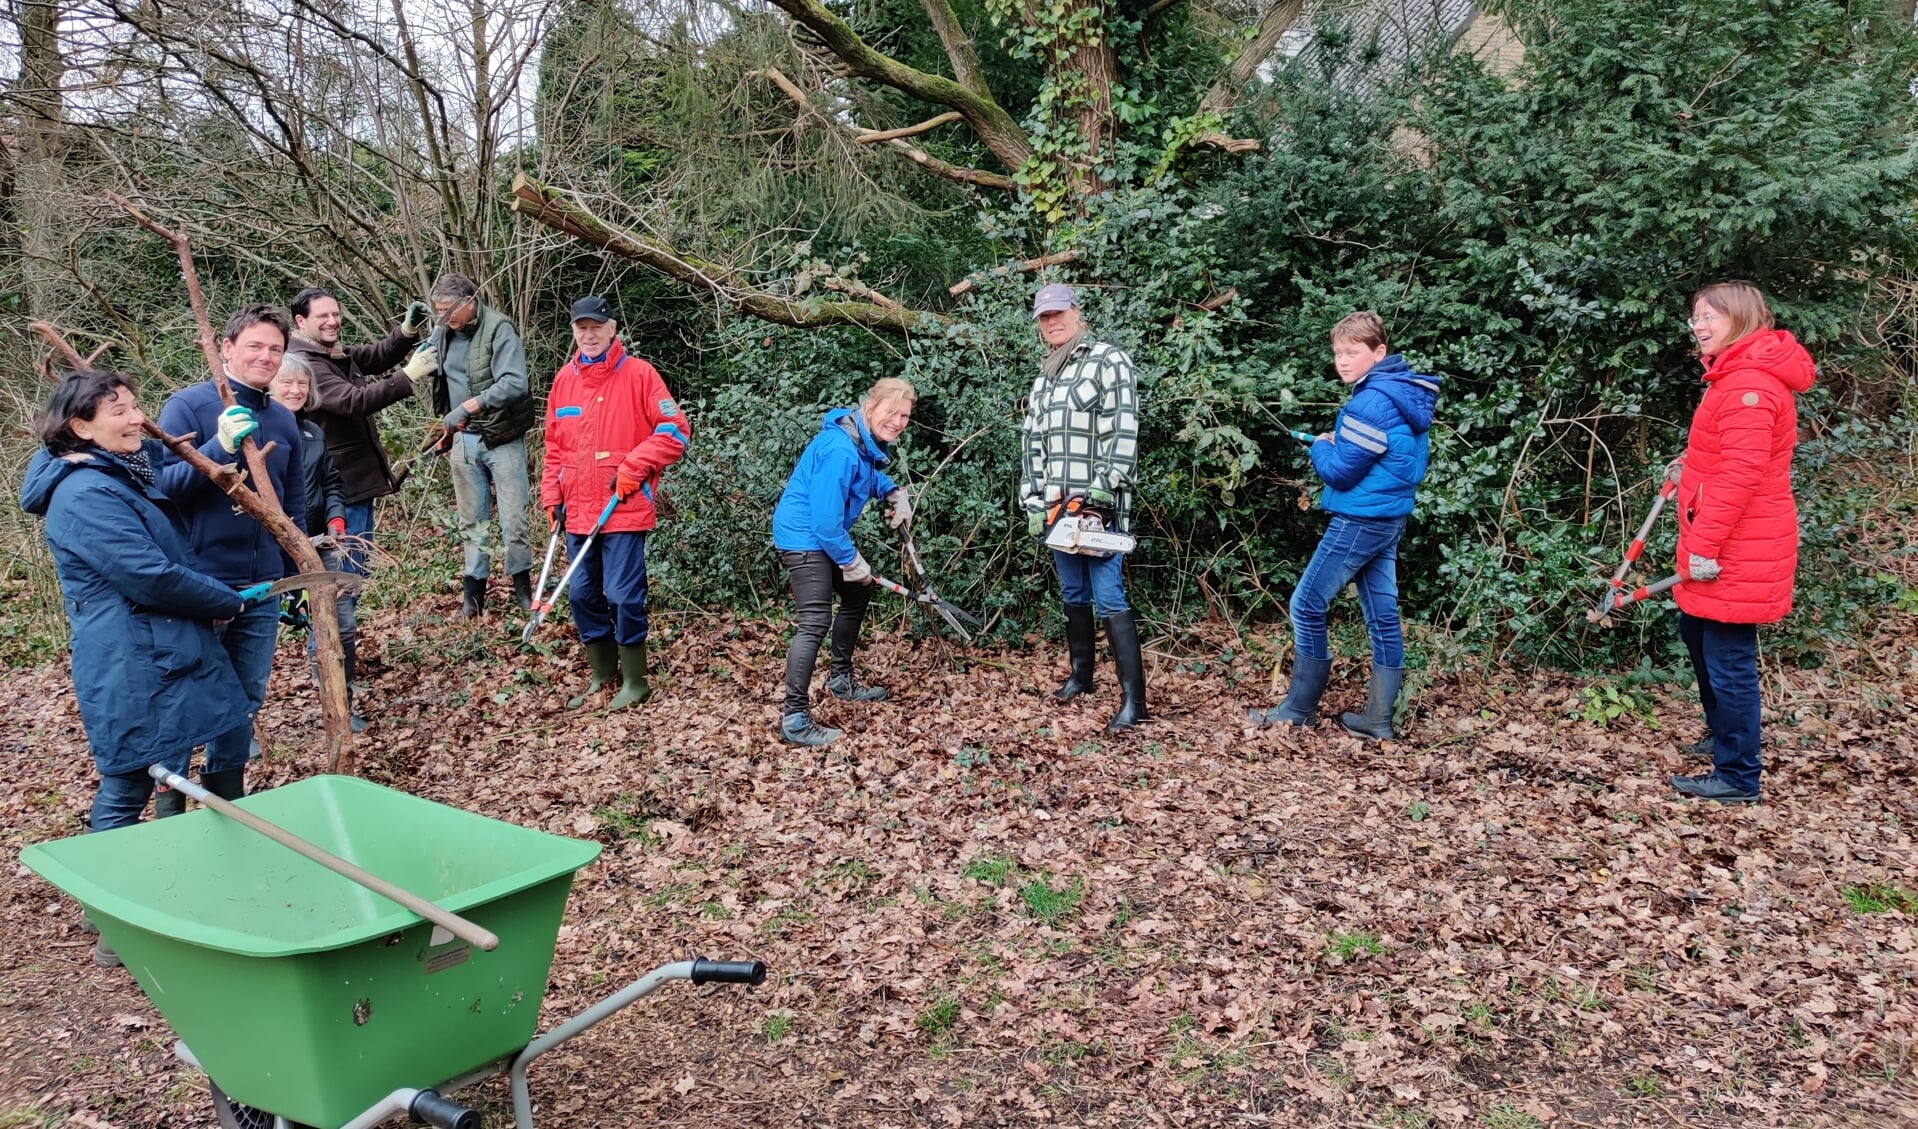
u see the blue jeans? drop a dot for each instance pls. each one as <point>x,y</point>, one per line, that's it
<point>359,524</point>
<point>1099,581</point>
<point>1359,549</point>
<point>608,589</point>
<point>481,475</point>
<point>1725,658</point>
<point>123,796</point>
<point>249,639</point>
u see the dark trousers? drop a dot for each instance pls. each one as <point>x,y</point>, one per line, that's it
<point>608,589</point>
<point>815,579</point>
<point>1725,658</point>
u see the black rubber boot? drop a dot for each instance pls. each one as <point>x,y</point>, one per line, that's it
<point>1301,704</point>
<point>801,729</point>
<point>472,596</point>
<point>523,590</point>
<point>1081,646</point>
<point>1381,702</point>
<point>1122,635</point>
<point>842,685</point>
<point>168,802</point>
<point>602,655</point>
<point>228,784</point>
<point>633,688</point>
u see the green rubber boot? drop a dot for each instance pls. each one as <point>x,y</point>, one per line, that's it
<point>632,669</point>
<point>603,657</point>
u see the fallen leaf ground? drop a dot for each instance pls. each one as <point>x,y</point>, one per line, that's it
<point>980,910</point>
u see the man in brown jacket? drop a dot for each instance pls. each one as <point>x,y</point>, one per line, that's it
<point>350,386</point>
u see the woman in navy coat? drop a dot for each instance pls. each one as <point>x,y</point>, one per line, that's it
<point>151,679</point>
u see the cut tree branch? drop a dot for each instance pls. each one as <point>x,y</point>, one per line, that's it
<point>262,504</point>
<point>973,280</point>
<point>549,206</point>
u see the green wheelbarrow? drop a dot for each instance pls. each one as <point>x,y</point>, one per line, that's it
<point>310,1000</point>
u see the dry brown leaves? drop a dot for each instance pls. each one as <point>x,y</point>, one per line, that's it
<point>979,909</point>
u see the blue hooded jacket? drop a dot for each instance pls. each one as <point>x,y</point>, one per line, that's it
<point>830,487</point>
<point>1380,446</point>
<point>151,678</point>
<point>226,541</point>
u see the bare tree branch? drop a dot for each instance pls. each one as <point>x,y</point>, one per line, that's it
<point>869,136</point>
<point>973,280</point>
<point>918,156</point>
<point>549,206</point>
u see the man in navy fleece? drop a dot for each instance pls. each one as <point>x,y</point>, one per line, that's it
<point>231,546</point>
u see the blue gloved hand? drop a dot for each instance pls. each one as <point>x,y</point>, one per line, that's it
<point>253,595</point>
<point>456,419</point>
<point>236,423</point>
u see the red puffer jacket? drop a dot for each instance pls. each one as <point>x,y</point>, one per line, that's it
<point>601,418</point>
<point>1734,498</point>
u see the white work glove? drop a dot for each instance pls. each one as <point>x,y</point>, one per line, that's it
<point>1675,469</point>
<point>858,572</point>
<point>900,515</point>
<point>236,423</point>
<point>422,363</point>
<point>1702,568</point>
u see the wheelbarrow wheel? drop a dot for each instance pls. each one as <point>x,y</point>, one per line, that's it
<point>233,1115</point>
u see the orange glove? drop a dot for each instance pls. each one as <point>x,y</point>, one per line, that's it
<point>625,484</point>
<point>336,526</point>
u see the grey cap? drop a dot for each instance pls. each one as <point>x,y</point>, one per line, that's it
<point>1053,296</point>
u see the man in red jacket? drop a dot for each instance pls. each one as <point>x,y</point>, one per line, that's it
<point>611,428</point>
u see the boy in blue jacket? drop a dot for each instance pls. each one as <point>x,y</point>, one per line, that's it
<point>1372,463</point>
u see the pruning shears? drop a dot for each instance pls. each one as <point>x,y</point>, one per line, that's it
<point>918,588</point>
<point>1616,594</point>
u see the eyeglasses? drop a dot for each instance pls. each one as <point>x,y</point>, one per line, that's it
<point>1695,321</point>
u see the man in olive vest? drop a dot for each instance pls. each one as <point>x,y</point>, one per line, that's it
<point>482,392</point>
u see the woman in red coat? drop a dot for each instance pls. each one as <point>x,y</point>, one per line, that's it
<point>1737,523</point>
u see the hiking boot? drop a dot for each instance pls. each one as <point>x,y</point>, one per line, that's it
<point>1381,702</point>
<point>1122,636</point>
<point>472,596</point>
<point>1301,705</point>
<point>633,688</point>
<point>1081,645</point>
<point>602,655</point>
<point>523,590</point>
<point>1704,747</point>
<point>1710,786</point>
<point>801,729</point>
<point>845,687</point>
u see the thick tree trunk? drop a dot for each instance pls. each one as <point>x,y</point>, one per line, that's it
<point>39,184</point>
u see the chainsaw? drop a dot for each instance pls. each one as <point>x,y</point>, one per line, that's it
<point>1077,526</point>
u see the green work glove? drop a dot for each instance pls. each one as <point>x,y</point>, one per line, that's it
<point>1036,524</point>
<point>417,315</point>
<point>236,423</point>
<point>1102,498</point>
<point>422,363</point>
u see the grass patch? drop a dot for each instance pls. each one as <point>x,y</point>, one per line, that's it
<point>993,870</point>
<point>777,1026</point>
<point>1644,1086</point>
<point>1349,945</point>
<point>938,1020</point>
<point>1505,1115</point>
<point>1880,897</point>
<point>1051,904</point>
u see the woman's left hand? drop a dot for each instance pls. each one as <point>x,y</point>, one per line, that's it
<point>900,515</point>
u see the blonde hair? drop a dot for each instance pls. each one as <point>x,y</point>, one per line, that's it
<point>887,389</point>
<point>1743,306</point>
<point>1364,327</point>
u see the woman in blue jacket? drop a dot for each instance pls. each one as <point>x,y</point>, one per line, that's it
<point>151,679</point>
<point>837,475</point>
<point>1372,463</point>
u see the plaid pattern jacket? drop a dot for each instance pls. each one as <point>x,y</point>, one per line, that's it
<point>1081,431</point>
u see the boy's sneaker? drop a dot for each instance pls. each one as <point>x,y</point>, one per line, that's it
<point>847,689</point>
<point>1710,786</point>
<point>801,729</point>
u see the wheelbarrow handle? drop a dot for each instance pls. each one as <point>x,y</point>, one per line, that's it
<point>458,926</point>
<point>728,971</point>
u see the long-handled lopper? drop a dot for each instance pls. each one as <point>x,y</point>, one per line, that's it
<point>541,607</point>
<point>920,590</point>
<point>1616,595</point>
<point>954,617</point>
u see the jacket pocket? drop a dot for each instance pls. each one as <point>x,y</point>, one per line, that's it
<point>178,646</point>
